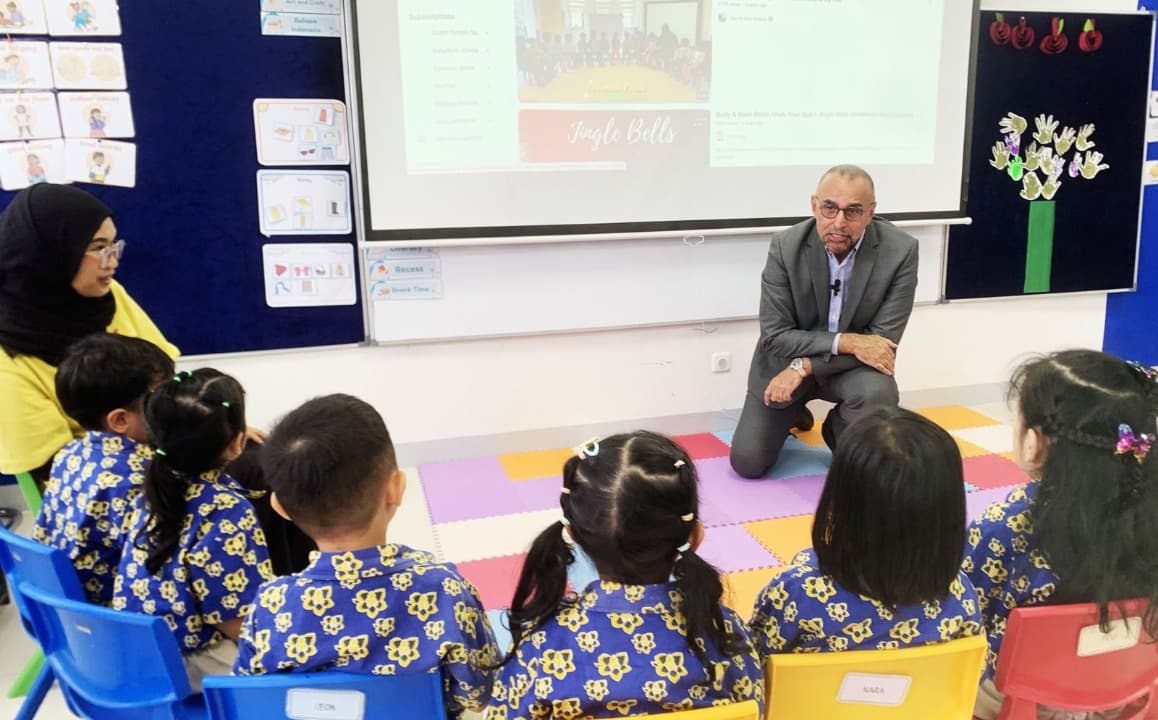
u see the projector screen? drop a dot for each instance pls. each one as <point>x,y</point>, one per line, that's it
<point>533,117</point>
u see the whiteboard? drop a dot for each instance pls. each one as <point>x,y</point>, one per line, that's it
<point>493,291</point>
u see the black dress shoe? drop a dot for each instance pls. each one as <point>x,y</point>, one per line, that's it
<point>828,433</point>
<point>804,421</point>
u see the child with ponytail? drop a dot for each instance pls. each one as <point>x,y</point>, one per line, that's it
<point>195,553</point>
<point>650,635</point>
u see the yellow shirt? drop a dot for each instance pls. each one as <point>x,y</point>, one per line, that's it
<point>33,426</point>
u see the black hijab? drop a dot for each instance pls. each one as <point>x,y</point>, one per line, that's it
<point>44,233</point>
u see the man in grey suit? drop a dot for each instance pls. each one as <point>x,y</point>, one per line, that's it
<point>837,293</point>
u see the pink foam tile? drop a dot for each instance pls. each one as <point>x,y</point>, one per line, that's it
<point>732,548</point>
<point>468,489</point>
<point>495,578</point>
<point>992,471</point>
<point>703,445</point>
<point>728,499</point>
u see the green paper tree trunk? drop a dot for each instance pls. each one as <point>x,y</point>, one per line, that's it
<point>1039,246</point>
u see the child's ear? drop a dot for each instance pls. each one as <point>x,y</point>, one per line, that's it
<point>697,536</point>
<point>1034,448</point>
<point>278,508</point>
<point>395,488</point>
<point>235,448</point>
<point>117,421</point>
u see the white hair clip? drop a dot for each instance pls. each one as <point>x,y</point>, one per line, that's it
<point>679,464</point>
<point>688,518</point>
<point>588,449</point>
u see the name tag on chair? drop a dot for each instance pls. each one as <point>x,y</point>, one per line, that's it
<point>871,689</point>
<point>1123,635</point>
<point>305,704</point>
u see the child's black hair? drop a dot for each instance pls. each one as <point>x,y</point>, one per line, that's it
<point>103,372</point>
<point>192,419</point>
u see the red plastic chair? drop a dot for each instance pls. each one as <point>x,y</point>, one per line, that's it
<point>1039,662</point>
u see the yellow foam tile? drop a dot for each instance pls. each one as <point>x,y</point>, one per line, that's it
<point>969,449</point>
<point>956,417</point>
<point>783,537</point>
<point>1008,456</point>
<point>531,465</point>
<point>742,588</point>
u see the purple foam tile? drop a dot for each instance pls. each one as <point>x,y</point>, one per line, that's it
<point>976,502</point>
<point>539,493</point>
<point>731,499</point>
<point>732,548</point>
<point>798,458</point>
<point>468,489</point>
<point>808,487</point>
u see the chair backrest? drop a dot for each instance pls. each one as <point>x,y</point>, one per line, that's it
<point>747,710</point>
<point>931,681</point>
<point>27,563</point>
<point>348,696</point>
<point>110,664</point>
<point>1058,656</point>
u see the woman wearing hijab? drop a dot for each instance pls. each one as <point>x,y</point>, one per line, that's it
<point>58,254</point>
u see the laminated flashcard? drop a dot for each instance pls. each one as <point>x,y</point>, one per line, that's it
<point>96,114</point>
<point>23,17</point>
<point>28,116</point>
<point>25,66</point>
<point>309,274</point>
<point>30,162</point>
<point>101,162</point>
<point>83,17</point>
<point>301,132</point>
<point>304,202</point>
<point>88,66</point>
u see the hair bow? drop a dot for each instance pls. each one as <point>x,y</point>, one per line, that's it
<point>1130,444</point>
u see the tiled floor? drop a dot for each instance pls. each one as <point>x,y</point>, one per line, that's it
<point>483,513</point>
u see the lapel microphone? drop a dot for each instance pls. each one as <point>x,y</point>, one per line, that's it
<point>836,287</point>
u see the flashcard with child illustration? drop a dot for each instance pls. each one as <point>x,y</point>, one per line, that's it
<point>28,116</point>
<point>83,17</point>
<point>88,66</point>
<point>30,162</point>
<point>96,115</point>
<point>25,66</point>
<point>101,162</point>
<point>23,17</point>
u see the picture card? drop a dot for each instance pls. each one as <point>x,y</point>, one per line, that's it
<point>301,24</point>
<point>88,66</point>
<point>309,274</point>
<point>83,17</point>
<point>25,66</point>
<point>301,132</point>
<point>101,162</point>
<point>326,7</point>
<point>28,116</point>
<point>96,114</point>
<point>304,202</point>
<point>23,17</point>
<point>30,162</point>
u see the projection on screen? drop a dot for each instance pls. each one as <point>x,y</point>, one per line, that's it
<point>524,115</point>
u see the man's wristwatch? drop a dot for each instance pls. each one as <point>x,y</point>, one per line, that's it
<point>797,364</point>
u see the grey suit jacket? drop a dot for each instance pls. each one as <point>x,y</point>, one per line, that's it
<point>795,296</point>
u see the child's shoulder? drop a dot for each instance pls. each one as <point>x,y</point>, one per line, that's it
<point>1018,502</point>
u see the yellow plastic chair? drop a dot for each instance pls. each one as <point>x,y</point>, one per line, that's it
<point>747,710</point>
<point>932,681</point>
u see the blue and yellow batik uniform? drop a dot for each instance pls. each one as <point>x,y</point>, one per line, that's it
<point>95,480</point>
<point>219,563</point>
<point>618,650</point>
<point>383,610</point>
<point>804,610</point>
<point>1005,565</point>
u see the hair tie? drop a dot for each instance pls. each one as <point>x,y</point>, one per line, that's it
<point>684,548</point>
<point>679,464</point>
<point>176,378</point>
<point>161,452</point>
<point>688,518</point>
<point>588,449</point>
<point>1130,444</point>
<point>225,404</point>
<point>1144,370</point>
<point>564,521</point>
<point>565,490</point>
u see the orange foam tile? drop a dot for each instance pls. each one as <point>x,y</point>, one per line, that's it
<point>812,438</point>
<point>784,537</point>
<point>531,465</point>
<point>956,417</point>
<point>742,588</point>
<point>969,449</point>
<point>1008,456</point>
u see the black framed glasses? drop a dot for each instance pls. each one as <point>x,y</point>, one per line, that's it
<point>852,213</point>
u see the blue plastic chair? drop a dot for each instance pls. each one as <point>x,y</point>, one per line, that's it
<point>415,696</point>
<point>110,664</point>
<point>27,563</point>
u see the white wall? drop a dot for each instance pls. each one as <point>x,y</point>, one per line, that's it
<point>483,387</point>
